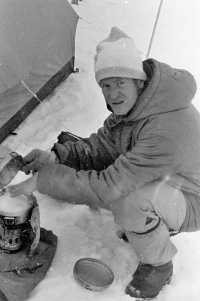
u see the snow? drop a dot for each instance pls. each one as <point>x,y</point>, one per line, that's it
<point>78,106</point>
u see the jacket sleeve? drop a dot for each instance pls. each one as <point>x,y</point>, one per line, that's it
<point>96,152</point>
<point>152,158</point>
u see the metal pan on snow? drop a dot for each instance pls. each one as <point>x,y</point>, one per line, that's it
<point>93,274</point>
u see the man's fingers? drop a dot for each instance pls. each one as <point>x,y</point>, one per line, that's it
<point>31,156</point>
<point>33,166</point>
<point>25,187</point>
<point>17,190</point>
<point>25,169</point>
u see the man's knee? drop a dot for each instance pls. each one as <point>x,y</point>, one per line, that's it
<point>139,210</point>
<point>134,213</point>
<point>167,202</point>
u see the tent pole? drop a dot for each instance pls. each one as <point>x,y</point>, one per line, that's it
<point>154,29</point>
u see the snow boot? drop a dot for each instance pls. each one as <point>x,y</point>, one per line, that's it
<point>148,280</point>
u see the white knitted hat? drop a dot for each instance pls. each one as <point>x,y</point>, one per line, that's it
<point>117,56</point>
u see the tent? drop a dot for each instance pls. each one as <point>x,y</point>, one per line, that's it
<point>37,46</point>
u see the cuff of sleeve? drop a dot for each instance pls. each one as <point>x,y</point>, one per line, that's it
<point>53,158</point>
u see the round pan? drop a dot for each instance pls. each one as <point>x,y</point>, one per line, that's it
<point>93,274</point>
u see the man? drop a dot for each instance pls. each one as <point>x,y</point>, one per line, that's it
<point>144,163</point>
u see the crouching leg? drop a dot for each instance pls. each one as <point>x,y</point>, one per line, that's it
<point>155,251</point>
<point>146,215</point>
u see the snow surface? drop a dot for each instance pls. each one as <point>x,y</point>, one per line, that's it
<point>79,106</point>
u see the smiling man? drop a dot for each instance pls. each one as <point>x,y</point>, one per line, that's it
<point>143,164</point>
<point>121,93</point>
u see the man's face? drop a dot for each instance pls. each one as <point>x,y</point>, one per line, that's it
<point>120,94</point>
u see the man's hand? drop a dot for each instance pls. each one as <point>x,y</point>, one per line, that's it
<point>25,187</point>
<point>36,159</point>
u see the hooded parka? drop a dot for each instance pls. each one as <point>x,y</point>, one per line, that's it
<point>159,139</point>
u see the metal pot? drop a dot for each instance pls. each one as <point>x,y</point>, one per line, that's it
<point>14,226</point>
<point>21,216</point>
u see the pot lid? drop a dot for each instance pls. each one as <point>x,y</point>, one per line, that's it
<point>93,274</point>
<point>10,164</point>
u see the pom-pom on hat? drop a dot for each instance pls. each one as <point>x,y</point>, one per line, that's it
<point>117,56</point>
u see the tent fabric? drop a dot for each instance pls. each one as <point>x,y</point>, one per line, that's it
<point>37,43</point>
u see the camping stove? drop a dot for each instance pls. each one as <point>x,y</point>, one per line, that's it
<point>13,233</point>
<point>13,229</point>
<point>26,250</point>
